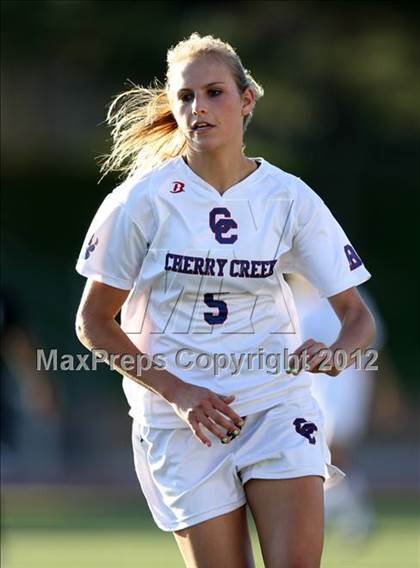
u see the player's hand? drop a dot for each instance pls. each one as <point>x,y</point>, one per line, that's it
<point>314,357</point>
<point>203,409</point>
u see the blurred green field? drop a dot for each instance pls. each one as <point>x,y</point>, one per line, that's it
<point>99,528</point>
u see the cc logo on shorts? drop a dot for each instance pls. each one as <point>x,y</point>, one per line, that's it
<point>305,429</point>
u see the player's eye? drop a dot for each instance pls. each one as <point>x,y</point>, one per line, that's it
<point>186,97</point>
<point>214,92</point>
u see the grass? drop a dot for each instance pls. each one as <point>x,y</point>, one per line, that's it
<point>101,528</point>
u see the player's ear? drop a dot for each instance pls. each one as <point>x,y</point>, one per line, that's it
<point>248,101</point>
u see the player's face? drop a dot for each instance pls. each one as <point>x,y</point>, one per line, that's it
<point>207,105</point>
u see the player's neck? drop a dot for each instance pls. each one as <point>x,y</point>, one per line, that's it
<point>221,170</point>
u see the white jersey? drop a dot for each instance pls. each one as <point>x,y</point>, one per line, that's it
<point>205,274</point>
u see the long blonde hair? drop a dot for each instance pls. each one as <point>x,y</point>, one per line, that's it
<point>143,128</point>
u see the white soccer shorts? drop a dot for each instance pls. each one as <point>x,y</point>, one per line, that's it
<point>185,482</point>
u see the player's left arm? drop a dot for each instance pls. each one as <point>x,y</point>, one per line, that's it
<point>357,332</point>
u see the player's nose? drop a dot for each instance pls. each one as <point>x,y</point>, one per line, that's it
<point>198,106</point>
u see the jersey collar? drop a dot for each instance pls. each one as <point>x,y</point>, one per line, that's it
<point>252,178</point>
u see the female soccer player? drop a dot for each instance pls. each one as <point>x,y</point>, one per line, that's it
<point>192,248</point>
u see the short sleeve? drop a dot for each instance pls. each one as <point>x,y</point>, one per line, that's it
<point>114,247</point>
<point>321,251</point>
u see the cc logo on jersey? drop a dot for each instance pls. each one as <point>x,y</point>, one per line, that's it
<point>221,222</point>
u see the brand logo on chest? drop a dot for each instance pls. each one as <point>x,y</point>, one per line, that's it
<point>177,187</point>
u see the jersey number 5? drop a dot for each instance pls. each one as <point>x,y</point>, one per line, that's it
<point>222,314</point>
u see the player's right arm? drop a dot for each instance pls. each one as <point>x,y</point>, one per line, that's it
<point>97,328</point>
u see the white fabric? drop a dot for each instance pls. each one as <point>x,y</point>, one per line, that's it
<point>152,232</point>
<point>185,482</point>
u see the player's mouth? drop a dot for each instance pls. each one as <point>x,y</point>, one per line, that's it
<point>201,126</point>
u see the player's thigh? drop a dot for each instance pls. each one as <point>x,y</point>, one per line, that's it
<point>289,516</point>
<point>221,541</point>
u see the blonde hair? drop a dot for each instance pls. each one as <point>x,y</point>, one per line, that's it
<point>143,128</point>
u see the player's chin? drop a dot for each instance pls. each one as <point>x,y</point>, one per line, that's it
<point>206,144</point>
